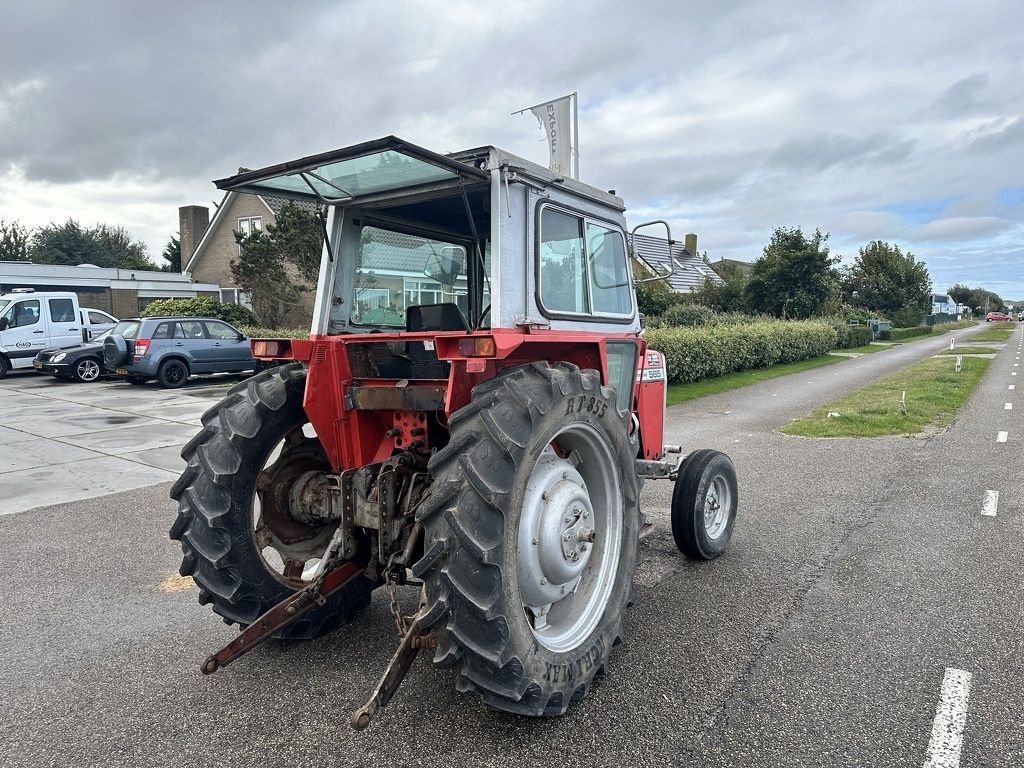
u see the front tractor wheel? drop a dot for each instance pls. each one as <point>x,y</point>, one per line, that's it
<point>704,503</point>
<point>531,537</point>
<point>242,543</point>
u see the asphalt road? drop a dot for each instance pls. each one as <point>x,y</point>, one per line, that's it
<point>859,572</point>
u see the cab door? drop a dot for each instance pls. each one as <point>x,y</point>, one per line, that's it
<point>65,327</point>
<point>23,329</point>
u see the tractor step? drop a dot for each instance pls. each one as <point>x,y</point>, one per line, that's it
<point>281,615</point>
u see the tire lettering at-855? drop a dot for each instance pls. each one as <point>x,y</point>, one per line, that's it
<point>586,403</point>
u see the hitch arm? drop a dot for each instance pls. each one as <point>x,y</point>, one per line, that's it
<point>415,639</point>
<point>281,615</point>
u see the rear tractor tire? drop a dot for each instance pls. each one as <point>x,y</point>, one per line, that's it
<point>704,503</point>
<point>241,545</point>
<point>531,537</point>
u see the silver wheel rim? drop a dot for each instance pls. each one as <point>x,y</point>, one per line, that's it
<point>717,503</point>
<point>570,537</point>
<point>88,370</point>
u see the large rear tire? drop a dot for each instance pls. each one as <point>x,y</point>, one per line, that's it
<point>531,537</point>
<point>232,506</point>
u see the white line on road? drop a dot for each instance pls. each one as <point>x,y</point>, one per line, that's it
<point>950,716</point>
<point>990,505</point>
<point>1001,437</point>
<point>1008,407</point>
<point>1012,386</point>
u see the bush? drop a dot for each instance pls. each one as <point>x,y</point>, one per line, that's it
<point>699,353</point>
<point>655,297</point>
<point>848,336</point>
<point>200,307</point>
<point>907,317</point>
<point>687,316</point>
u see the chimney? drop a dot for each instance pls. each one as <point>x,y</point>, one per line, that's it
<point>691,244</point>
<point>192,223</point>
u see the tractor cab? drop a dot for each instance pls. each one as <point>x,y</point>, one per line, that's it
<point>407,228</point>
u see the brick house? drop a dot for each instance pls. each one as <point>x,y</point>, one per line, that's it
<point>208,246</point>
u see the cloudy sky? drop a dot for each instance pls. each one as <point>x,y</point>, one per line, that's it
<point>900,121</point>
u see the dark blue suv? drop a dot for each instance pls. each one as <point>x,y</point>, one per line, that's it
<point>170,349</point>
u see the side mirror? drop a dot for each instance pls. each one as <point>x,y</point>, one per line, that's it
<point>241,337</point>
<point>4,323</point>
<point>446,265</point>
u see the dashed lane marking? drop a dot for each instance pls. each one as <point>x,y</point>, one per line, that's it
<point>950,717</point>
<point>990,506</point>
<point>1008,407</point>
<point>1012,386</point>
<point>1001,437</point>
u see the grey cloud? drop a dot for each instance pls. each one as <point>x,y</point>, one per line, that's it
<point>823,151</point>
<point>993,139</point>
<point>962,228</point>
<point>961,97</point>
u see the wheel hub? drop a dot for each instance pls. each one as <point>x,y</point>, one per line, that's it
<point>556,531</point>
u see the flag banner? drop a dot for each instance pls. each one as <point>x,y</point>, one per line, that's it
<point>555,118</point>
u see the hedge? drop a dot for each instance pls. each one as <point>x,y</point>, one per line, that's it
<point>848,336</point>
<point>896,334</point>
<point>258,332</point>
<point>700,353</point>
<point>199,307</point>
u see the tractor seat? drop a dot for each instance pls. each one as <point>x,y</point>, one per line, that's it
<point>435,317</point>
<point>431,317</point>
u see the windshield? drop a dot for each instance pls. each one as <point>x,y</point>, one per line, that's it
<point>396,271</point>
<point>127,328</point>
<point>102,336</point>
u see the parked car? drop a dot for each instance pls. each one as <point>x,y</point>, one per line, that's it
<point>997,317</point>
<point>81,362</point>
<point>1020,315</point>
<point>170,349</point>
<point>95,322</point>
<point>32,321</point>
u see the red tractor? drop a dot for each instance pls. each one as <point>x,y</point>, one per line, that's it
<point>473,413</point>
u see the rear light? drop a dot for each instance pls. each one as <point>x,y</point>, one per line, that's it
<point>477,346</point>
<point>271,348</point>
<point>141,348</point>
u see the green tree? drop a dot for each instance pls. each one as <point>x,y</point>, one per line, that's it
<point>795,277</point>
<point>884,279</point>
<point>727,297</point>
<point>104,245</point>
<point>172,255</point>
<point>977,299</point>
<point>14,241</point>
<point>270,259</point>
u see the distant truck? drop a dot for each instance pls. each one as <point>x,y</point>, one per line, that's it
<point>31,321</point>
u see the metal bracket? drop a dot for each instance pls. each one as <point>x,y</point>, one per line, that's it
<point>659,469</point>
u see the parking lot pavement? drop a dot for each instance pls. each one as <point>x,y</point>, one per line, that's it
<point>62,441</point>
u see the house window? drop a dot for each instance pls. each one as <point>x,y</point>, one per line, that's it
<point>249,225</point>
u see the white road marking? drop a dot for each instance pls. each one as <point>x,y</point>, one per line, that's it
<point>1012,386</point>
<point>990,505</point>
<point>950,716</point>
<point>1008,407</point>
<point>1013,373</point>
<point>1001,437</point>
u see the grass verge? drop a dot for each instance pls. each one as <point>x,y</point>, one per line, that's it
<point>995,332</point>
<point>680,393</point>
<point>934,394</point>
<point>970,351</point>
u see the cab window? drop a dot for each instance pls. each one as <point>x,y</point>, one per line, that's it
<point>20,314</point>
<point>583,268</point>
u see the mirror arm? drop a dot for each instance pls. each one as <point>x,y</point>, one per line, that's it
<point>633,253</point>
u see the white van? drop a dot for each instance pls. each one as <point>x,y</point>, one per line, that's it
<point>31,321</point>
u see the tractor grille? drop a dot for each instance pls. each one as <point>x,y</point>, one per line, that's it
<point>319,352</point>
